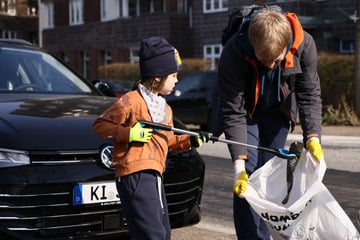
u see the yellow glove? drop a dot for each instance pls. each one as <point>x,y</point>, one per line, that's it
<point>241,183</point>
<point>241,178</point>
<point>313,145</point>
<point>139,134</point>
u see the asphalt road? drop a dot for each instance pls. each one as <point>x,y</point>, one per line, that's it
<point>342,156</point>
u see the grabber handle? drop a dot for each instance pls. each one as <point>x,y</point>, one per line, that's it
<point>282,153</point>
<point>160,126</point>
<point>154,125</point>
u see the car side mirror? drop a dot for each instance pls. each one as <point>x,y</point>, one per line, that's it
<point>104,87</point>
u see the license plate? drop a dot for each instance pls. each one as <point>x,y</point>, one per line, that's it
<point>95,192</point>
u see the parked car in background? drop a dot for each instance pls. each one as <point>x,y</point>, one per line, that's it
<point>56,174</point>
<point>191,99</point>
<point>119,87</point>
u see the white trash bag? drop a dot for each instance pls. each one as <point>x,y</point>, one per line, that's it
<point>310,213</point>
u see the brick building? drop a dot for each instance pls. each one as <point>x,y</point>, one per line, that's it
<point>90,33</point>
<point>19,19</point>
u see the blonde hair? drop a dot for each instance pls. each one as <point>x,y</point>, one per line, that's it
<point>269,33</point>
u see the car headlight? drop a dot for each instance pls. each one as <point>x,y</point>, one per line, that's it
<point>13,158</point>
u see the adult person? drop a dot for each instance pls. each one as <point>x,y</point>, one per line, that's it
<point>266,75</point>
<point>140,153</point>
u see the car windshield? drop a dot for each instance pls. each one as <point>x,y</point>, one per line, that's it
<point>31,71</point>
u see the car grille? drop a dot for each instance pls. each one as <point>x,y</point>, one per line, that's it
<point>182,199</point>
<point>45,211</point>
<point>183,186</point>
<point>28,211</point>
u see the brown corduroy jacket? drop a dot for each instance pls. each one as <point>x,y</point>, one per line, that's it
<point>115,124</point>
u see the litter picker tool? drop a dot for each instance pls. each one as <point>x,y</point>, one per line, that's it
<point>281,153</point>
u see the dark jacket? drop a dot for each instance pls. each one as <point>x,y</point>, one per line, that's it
<point>240,86</point>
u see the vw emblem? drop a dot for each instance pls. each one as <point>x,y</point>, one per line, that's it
<point>106,156</point>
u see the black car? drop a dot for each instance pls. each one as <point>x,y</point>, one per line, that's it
<point>191,99</point>
<point>56,177</point>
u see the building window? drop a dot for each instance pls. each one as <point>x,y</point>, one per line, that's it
<point>129,8</point>
<point>109,9</point>
<point>85,63</point>
<point>64,58</point>
<point>210,6</point>
<point>134,55</point>
<point>8,34</point>
<point>33,37</point>
<point>76,12</point>
<point>107,57</point>
<point>134,9</point>
<point>8,7</point>
<point>152,8</point>
<point>182,6</point>
<point>347,46</point>
<point>212,52</point>
<point>48,13</point>
<point>33,8</point>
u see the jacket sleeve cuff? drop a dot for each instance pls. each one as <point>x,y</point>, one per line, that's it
<point>122,134</point>
<point>243,157</point>
<point>312,136</point>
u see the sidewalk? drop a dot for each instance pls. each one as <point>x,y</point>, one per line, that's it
<point>335,130</point>
<point>341,145</point>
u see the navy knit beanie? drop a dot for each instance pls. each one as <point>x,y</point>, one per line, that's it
<point>158,58</point>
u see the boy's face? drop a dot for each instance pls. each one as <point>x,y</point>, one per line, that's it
<point>271,63</point>
<point>169,84</point>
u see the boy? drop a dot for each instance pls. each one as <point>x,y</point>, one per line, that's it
<point>140,153</point>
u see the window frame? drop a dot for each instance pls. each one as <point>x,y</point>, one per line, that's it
<point>8,34</point>
<point>48,9</point>
<point>344,43</point>
<point>124,8</point>
<point>134,54</point>
<point>107,57</point>
<point>213,55</point>
<point>85,64</point>
<point>9,7</point>
<point>109,10</point>
<point>76,12</point>
<point>213,6</point>
<point>182,6</point>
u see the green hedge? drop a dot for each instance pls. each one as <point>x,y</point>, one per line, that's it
<point>131,71</point>
<point>126,71</point>
<point>336,73</point>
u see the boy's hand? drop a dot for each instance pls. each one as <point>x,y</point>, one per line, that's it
<point>140,134</point>
<point>197,141</point>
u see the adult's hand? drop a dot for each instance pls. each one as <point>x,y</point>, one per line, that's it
<point>241,178</point>
<point>314,147</point>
